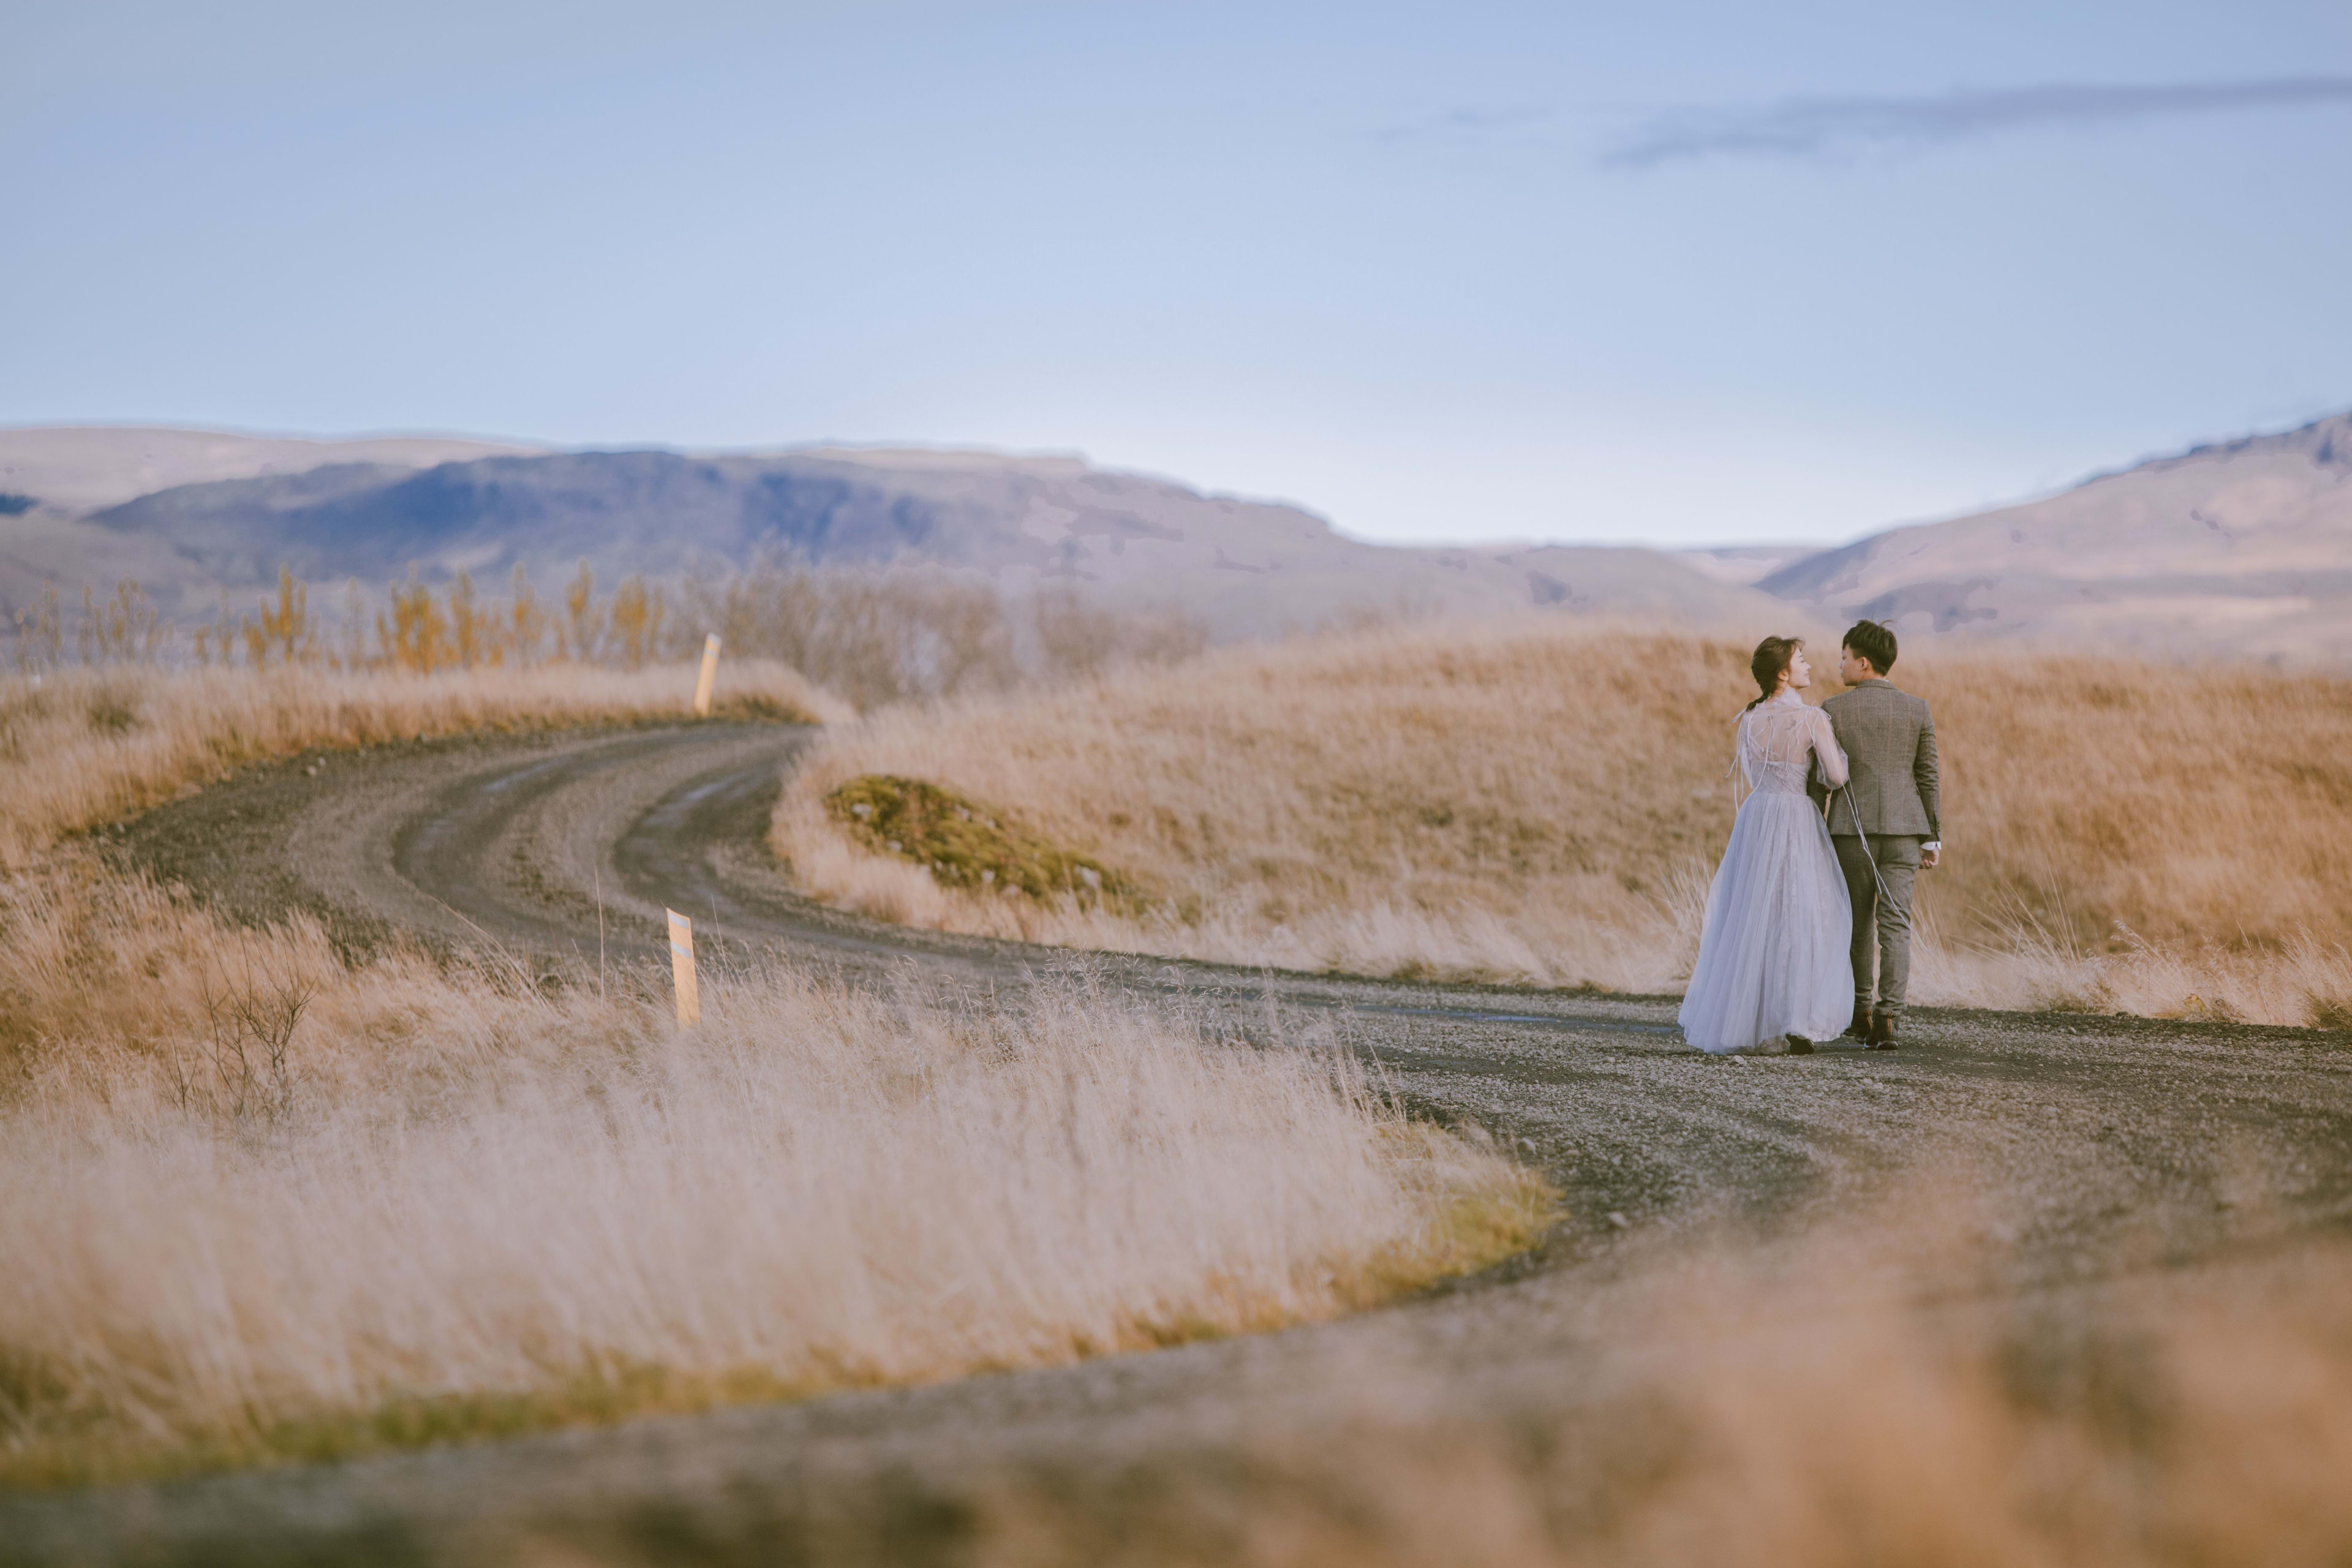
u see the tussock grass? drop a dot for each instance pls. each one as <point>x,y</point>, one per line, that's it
<point>83,746</point>
<point>1542,802</point>
<point>262,1202</point>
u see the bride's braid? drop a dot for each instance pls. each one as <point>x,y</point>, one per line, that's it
<point>1772,657</point>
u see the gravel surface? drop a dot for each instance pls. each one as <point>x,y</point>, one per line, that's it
<point>2070,1158</point>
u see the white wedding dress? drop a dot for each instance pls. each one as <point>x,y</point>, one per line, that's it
<point>1773,958</point>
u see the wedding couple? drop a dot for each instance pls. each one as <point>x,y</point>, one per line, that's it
<point>1805,901</point>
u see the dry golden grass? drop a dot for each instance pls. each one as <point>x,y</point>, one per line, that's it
<point>259,1203</point>
<point>2202,1419</point>
<point>79,747</point>
<point>1542,802</point>
<point>464,1208</point>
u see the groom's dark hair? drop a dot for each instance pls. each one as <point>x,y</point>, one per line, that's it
<point>1873,642</point>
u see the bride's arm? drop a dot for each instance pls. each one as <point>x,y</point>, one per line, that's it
<point>1825,746</point>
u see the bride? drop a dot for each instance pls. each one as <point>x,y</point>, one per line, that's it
<point>1773,957</point>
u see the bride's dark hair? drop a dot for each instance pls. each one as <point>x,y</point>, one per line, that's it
<point>1772,656</point>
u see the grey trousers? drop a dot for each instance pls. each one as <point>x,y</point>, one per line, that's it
<point>1881,927</point>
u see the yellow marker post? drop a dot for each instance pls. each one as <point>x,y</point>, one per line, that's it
<point>709,678</point>
<point>681,968</point>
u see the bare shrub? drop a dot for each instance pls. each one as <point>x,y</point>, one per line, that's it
<point>245,1072</point>
<point>904,633</point>
<point>1080,639</point>
<point>876,638</point>
<point>39,635</point>
<point>126,629</point>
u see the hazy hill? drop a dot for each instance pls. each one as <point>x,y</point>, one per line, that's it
<point>2240,548</point>
<point>1249,568</point>
<point>50,477</point>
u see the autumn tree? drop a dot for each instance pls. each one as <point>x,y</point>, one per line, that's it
<point>465,623</point>
<point>585,621</point>
<point>636,618</point>
<point>284,624</point>
<point>418,636</point>
<point>528,620</point>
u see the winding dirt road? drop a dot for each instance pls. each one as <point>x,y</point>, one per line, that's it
<point>2085,1152</point>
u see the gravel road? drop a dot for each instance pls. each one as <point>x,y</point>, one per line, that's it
<point>2082,1153</point>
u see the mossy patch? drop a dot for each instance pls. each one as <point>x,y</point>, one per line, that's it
<point>966,845</point>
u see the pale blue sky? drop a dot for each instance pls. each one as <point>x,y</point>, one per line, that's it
<point>1670,272</point>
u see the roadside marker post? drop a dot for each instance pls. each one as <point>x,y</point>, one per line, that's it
<point>681,968</point>
<point>709,678</point>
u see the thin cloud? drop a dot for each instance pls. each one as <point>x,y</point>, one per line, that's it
<point>1809,127</point>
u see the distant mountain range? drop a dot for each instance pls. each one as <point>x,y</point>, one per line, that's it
<point>2243,549</point>
<point>1247,568</point>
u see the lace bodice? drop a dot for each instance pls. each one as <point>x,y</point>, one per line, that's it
<point>1778,741</point>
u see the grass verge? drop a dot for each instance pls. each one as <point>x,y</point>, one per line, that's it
<point>81,747</point>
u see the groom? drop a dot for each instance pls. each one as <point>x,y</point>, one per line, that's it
<point>1883,823</point>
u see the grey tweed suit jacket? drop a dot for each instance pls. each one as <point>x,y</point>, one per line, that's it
<point>1890,745</point>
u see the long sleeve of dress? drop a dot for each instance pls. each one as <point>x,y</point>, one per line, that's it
<point>1835,770</point>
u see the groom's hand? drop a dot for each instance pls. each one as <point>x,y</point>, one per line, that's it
<point>1929,854</point>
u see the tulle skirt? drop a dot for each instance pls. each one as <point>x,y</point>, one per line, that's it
<point>1774,958</point>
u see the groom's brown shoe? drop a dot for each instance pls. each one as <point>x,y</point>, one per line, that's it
<point>1882,1030</point>
<point>1860,1028</point>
